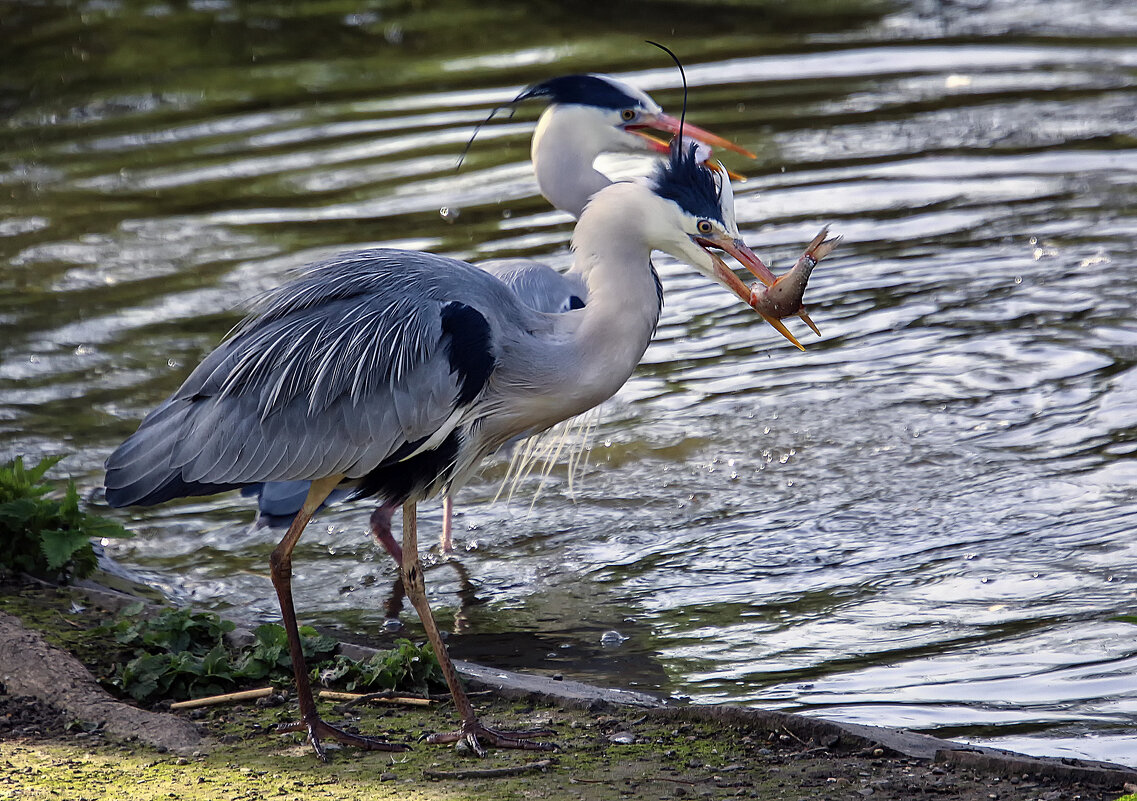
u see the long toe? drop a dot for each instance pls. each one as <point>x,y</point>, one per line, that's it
<point>474,733</point>
<point>319,730</point>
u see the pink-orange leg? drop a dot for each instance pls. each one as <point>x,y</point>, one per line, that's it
<point>381,530</point>
<point>446,544</point>
<point>472,731</point>
<point>281,570</point>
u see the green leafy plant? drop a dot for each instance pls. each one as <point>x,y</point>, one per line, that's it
<point>171,630</point>
<point>181,654</point>
<point>405,667</point>
<point>44,536</point>
<point>269,655</point>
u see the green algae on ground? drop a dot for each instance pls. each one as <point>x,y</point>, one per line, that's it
<point>652,758</point>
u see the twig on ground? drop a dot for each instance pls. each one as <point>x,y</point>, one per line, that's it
<point>488,773</point>
<point>227,698</point>
<point>385,697</point>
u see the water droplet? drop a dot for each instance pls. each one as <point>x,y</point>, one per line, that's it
<point>449,214</point>
<point>612,639</point>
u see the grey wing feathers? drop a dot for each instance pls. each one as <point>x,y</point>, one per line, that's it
<point>539,286</point>
<point>333,373</point>
<point>536,285</point>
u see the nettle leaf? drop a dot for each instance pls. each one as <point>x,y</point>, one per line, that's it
<point>69,507</point>
<point>60,545</point>
<point>316,646</point>
<point>36,473</point>
<point>43,536</point>
<point>104,528</point>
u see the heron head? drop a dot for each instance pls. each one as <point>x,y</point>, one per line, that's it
<point>623,115</point>
<point>697,218</point>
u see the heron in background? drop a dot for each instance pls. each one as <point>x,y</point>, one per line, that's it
<point>394,373</point>
<point>587,115</point>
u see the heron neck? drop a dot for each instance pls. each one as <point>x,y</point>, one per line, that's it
<point>563,151</point>
<point>612,255</point>
<point>584,356</point>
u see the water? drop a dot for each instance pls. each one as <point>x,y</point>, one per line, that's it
<point>925,520</point>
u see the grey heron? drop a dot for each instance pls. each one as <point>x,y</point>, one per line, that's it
<point>393,373</point>
<point>587,115</point>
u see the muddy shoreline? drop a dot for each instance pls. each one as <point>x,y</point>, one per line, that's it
<point>614,743</point>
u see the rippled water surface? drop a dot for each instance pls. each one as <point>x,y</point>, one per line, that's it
<point>925,520</point>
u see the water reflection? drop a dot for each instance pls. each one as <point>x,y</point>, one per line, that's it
<point>925,520</point>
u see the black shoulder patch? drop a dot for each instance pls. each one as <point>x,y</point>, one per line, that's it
<point>469,343</point>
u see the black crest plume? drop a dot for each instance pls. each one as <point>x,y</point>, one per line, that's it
<point>587,90</point>
<point>510,105</point>
<point>683,77</point>
<point>682,179</point>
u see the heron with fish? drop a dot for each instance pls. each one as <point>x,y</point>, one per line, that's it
<point>587,115</point>
<point>393,373</point>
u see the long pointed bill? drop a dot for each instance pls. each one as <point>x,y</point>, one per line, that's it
<point>725,276</point>
<point>669,124</point>
<point>663,148</point>
<point>746,257</point>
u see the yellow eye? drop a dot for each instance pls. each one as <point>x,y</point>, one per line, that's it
<point>628,115</point>
<point>704,227</point>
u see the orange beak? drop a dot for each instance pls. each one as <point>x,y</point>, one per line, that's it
<point>668,124</point>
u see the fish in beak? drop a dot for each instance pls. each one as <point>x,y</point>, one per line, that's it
<point>776,297</point>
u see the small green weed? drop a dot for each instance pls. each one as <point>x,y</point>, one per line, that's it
<point>269,657</point>
<point>45,537</point>
<point>405,667</point>
<point>181,654</point>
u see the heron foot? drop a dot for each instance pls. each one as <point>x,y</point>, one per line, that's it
<point>473,733</point>
<point>319,730</point>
